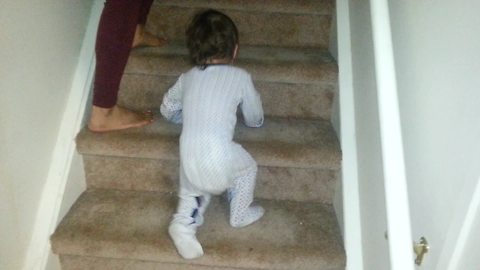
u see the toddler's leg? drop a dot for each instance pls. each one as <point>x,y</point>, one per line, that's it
<point>242,213</point>
<point>183,227</point>
<point>187,219</point>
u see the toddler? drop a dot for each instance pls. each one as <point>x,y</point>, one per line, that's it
<point>205,100</point>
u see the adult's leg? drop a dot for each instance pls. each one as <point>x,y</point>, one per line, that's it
<point>144,10</point>
<point>114,41</point>
<point>143,37</point>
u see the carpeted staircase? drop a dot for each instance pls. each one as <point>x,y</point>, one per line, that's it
<point>121,221</point>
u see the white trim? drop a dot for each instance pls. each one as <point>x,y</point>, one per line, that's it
<point>53,191</point>
<point>351,198</point>
<point>396,193</point>
<point>461,231</point>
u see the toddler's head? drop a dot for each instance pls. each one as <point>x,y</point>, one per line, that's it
<point>211,37</point>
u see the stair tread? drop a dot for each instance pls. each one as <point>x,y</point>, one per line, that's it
<point>265,64</point>
<point>281,142</point>
<point>317,7</point>
<point>133,225</point>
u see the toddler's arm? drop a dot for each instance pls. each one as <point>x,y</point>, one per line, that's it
<point>171,107</point>
<point>251,105</point>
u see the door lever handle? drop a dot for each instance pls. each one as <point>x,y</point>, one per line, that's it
<point>420,249</point>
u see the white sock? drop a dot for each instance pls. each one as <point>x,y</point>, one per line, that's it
<point>185,241</point>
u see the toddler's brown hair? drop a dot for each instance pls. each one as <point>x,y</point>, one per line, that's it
<point>211,35</point>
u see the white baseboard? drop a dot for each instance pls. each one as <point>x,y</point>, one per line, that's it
<point>351,199</point>
<point>72,120</point>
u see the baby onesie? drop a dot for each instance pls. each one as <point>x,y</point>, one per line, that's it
<point>205,101</point>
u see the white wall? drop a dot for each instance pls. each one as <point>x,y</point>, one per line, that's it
<point>370,173</point>
<point>40,46</point>
<point>436,45</point>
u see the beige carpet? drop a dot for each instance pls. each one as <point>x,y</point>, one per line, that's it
<point>133,225</point>
<point>121,221</point>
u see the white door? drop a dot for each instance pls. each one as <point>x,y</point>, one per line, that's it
<point>452,232</point>
<point>436,48</point>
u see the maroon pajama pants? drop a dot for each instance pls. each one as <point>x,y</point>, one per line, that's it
<point>114,42</point>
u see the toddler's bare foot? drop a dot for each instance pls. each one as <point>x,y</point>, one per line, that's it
<point>144,38</point>
<point>117,118</point>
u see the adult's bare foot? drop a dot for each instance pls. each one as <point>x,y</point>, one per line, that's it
<point>117,118</point>
<point>145,38</point>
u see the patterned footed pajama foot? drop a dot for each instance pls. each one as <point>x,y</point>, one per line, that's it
<point>185,241</point>
<point>249,216</point>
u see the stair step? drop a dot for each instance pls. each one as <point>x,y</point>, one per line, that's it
<point>140,92</point>
<point>317,7</point>
<point>298,159</point>
<point>292,82</point>
<point>305,185</point>
<point>281,142</point>
<point>266,64</point>
<point>132,226</point>
<point>300,23</point>
<point>70,262</point>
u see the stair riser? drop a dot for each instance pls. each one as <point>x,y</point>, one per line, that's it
<point>279,99</point>
<point>319,7</point>
<point>255,27</point>
<point>284,72</point>
<point>91,263</point>
<point>162,175</point>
